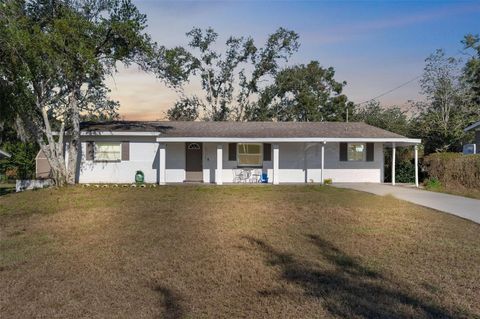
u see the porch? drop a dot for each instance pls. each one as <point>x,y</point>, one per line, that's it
<point>219,162</point>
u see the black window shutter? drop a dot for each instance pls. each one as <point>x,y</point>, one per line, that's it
<point>125,151</point>
<point>370,152</point>
<point>343,152</point>
<point>232,151</point>
<point>267,152</point>
<point>89,151</point>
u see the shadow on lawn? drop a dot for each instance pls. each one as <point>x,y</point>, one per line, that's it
<point>170,303</point>
<point>350,289</point>
<point>6,190</point>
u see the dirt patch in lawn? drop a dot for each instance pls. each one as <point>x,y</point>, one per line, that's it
<point>233,251</point>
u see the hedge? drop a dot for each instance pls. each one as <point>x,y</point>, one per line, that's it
<point>454,169</point>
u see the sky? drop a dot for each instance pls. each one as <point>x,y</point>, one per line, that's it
<point>374,46</point>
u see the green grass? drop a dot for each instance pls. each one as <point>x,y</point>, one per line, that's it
<point>235,251</point>
<point>6,188</point>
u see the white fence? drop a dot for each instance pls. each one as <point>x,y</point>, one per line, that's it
<point>28,184</point>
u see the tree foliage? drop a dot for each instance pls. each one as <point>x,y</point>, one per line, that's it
<point>472,67</point>
<point>54,58</point>
<point>228,79</point>
<point>302,93</point>
<point>392,119</point>
<point>448,108</point>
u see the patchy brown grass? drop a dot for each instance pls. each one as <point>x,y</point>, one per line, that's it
<point>233,251</point>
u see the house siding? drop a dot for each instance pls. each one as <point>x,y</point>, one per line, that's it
<point>298,163</point>
<point>345,172</point>
<point>143,157</point>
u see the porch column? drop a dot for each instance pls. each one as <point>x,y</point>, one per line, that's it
<point>161,163</point>
<point>323,163</point>
<point>416,165</point>
<point>276,151</point>
<point>219,171</point>
<point>393,163</point>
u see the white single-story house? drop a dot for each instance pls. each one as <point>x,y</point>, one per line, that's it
<point>230,152</point>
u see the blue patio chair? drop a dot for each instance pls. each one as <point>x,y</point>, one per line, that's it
<point>264,178</point>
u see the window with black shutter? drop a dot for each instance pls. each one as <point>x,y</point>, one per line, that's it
<point>370,152</point>
<point>89,151</point>
<point>232,151</point>
<point>267,152</point>
<point>343,152</point>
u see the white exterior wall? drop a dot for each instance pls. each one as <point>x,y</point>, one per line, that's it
<point>353,172</point>
<point>301,163</point>
<point>143,157</point>
<point>175,162</point>
<point>298,163</point>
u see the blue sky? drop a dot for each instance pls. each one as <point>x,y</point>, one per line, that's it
<point>373,45</point>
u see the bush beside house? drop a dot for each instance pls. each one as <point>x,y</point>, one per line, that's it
<point>454,170</point>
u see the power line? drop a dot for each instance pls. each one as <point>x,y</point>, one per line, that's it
<point>405,83</point>
<point>391,90</point>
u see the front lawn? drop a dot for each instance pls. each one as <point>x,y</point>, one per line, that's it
<point>6,188</point>
<point>233,251</point>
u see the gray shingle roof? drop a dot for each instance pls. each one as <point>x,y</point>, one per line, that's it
<point>245,129</point>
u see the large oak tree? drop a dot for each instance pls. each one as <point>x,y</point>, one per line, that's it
<point>54,58</point>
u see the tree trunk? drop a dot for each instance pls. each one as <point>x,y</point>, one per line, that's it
<point>40,130</point>
<point>74,144</point>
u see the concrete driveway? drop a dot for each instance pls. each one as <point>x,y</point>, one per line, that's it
<point>464,207</point>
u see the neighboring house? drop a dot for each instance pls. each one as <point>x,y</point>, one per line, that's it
<point>4,154</point>
<point>217,152</point>
<point>475,147</point>
<point>42,167</point>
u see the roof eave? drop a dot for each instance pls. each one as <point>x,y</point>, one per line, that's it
<point>471,127</point>
<point>402,140</point>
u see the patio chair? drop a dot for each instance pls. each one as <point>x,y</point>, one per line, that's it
<point>255,176</point>
<point>239,176</point>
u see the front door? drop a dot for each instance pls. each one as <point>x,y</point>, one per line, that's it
<point>193,162</point>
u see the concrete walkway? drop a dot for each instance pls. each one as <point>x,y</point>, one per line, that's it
<point>464,207</point>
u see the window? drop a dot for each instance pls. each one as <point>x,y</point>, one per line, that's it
<point>356,152</point>
<point>108,151</point>
<point>193,146</point>
<point>249,154</point>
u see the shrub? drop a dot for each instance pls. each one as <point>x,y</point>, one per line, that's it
<point>454,169</point>
<point>405,172</point>
<point>327,181</point>
<point>433,184</point>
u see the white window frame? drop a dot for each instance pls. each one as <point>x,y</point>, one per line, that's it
<point>119,153</point>
<point>250,165</point>
<point>364,153</point>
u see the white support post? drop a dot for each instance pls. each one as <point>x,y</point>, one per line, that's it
<point>416,165</point>
<point>393,164</point>
<point>276,151</point>
<point>161,163</point>
<point>219,171</point>
<point>322,180</point>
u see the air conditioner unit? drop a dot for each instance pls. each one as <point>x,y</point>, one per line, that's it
<point>469,149</point>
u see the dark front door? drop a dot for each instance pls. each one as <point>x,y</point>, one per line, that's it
<point>193,162</point>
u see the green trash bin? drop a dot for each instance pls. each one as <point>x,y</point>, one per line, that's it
<point>139,177</point>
